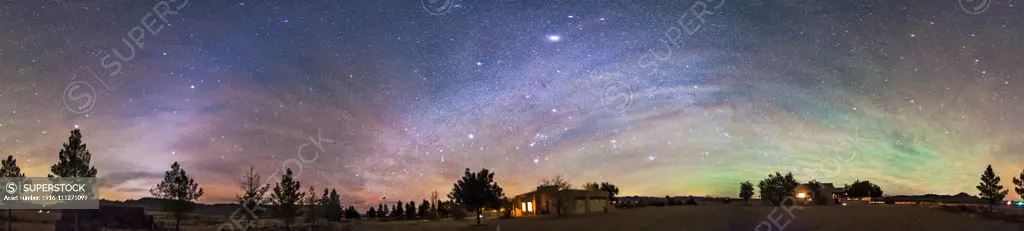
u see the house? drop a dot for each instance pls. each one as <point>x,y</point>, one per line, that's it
<point>546,200</point>
<point>804,195</point>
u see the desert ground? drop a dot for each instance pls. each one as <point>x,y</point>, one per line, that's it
<point>732,217</point>
<point>701,217</point>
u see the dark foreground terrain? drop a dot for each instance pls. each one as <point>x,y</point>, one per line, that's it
<point>675,218</point>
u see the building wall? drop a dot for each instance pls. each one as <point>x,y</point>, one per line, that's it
<point>579,206</point>
<point>599,205</point>
<point>545,202</point>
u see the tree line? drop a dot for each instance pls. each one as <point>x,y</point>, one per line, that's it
<point>777,187</point>
<point>474,192</point>
<point>74,160</point>
<point>286,200</point>
<point>178,190</point>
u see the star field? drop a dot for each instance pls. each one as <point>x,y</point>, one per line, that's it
<point>395,98</point>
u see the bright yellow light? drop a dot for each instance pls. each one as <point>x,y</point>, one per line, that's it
<point>529,206</point>
<point>801,195</point>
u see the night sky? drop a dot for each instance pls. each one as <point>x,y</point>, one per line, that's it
<point>396,98</point>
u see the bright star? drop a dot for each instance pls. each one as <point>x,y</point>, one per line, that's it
<point>554,38</point>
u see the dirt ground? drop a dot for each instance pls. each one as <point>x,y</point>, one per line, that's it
<point>680,218</point>
<point>735,217</point>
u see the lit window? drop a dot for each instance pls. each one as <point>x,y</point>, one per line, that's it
<point>524,207</point>
<point>529,206</point>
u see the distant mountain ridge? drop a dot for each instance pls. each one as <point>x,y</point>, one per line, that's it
<point>958,198</point>
<point>156,204</point>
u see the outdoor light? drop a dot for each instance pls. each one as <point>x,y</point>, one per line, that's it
<point>801,195</point>
<point>844,203</point>
<point>1020,203</point>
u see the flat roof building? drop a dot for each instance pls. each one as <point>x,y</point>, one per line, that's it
<point>546,201</point>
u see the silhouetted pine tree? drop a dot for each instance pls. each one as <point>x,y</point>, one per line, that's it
<point>990,189</point>
<point>325,200</point>
<point>286,195</point>
<point>73,161</point>
<point>410,210</point>
<point>399,211</point>
<point>333,207</point>
<point>422,210</point>
<point>352,213</point>
<point>1018,185</point>
<point>312,202</point>
<point>9,168</point>
<point>253,196</point>
<point>179,192</point>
